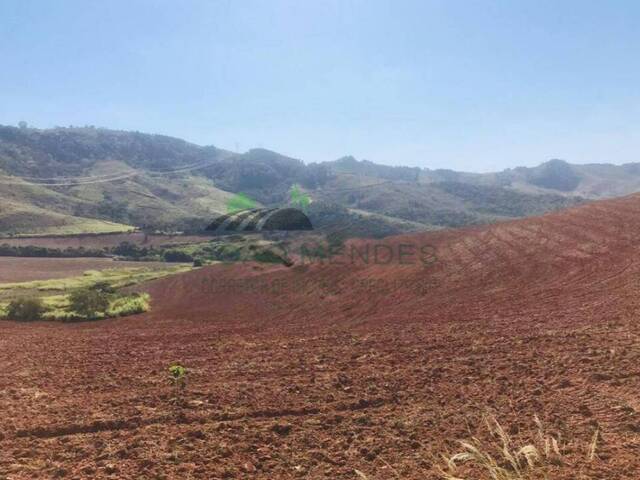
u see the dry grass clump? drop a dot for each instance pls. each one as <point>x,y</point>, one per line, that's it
<point>501,459</point>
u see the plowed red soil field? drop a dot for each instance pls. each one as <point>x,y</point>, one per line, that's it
<point>315,371</point>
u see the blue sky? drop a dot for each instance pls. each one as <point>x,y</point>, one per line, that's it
<point>468,85</point>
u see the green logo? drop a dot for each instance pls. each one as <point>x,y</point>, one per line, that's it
<point>298,198</point>
<point>240,202</point>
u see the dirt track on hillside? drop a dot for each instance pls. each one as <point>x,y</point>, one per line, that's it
<point>314,371</point>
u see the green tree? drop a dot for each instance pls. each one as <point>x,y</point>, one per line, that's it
<point>89,302</point>
<point>177,255</point>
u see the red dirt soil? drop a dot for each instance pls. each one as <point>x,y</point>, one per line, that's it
<point>314,371</point>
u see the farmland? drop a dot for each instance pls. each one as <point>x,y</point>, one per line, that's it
<point>319,240</point>
<point>317,370</point>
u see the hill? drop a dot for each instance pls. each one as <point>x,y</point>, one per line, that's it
<point>324,368</point>
<point>124,177</point>
<point>558,177</point>
<point>69,180</point>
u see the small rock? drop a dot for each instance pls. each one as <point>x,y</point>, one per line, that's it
<point>281,428</point>
<point>60,472</point>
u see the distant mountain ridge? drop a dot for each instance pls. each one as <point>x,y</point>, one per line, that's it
<point>64,180</point>
<point>590,181</point>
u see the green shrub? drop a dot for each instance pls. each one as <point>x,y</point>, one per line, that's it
<point>65,317</point>
<point>104,287</point>
<point>269,256</point>
<point>26,309</point>
<point>178,375</point>
<point>129,305</point>
<point>89,302</point>
<point>177,256</point>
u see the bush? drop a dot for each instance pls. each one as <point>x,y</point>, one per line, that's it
<point>104,287</point>
<point>129,305</point>
<point>129,250</point>
<point>26,309</point>
<point>177,256</point>
<point>269,256</point>
<point>89,302</point>
<point>198,262</point>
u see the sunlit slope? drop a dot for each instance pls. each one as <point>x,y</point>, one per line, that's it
<point>107,176</point>
<point>23,219</point>
<point>171,201</point>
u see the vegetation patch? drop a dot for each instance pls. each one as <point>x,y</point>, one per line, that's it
<point>25,309</point>
<point>226,249</point>
<point>78,306</point>
<point>45,252</point>
<point>129,305</point>
<point>117,278</point>
<point>91,302</point>
<point>92,296</point>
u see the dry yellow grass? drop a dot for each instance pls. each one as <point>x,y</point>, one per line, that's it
<point>502,459</point>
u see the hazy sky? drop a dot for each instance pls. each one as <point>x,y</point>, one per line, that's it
<point>468,85</point>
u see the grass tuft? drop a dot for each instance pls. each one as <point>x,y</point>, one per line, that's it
<point>593,446</point>
<point>501,459</point>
